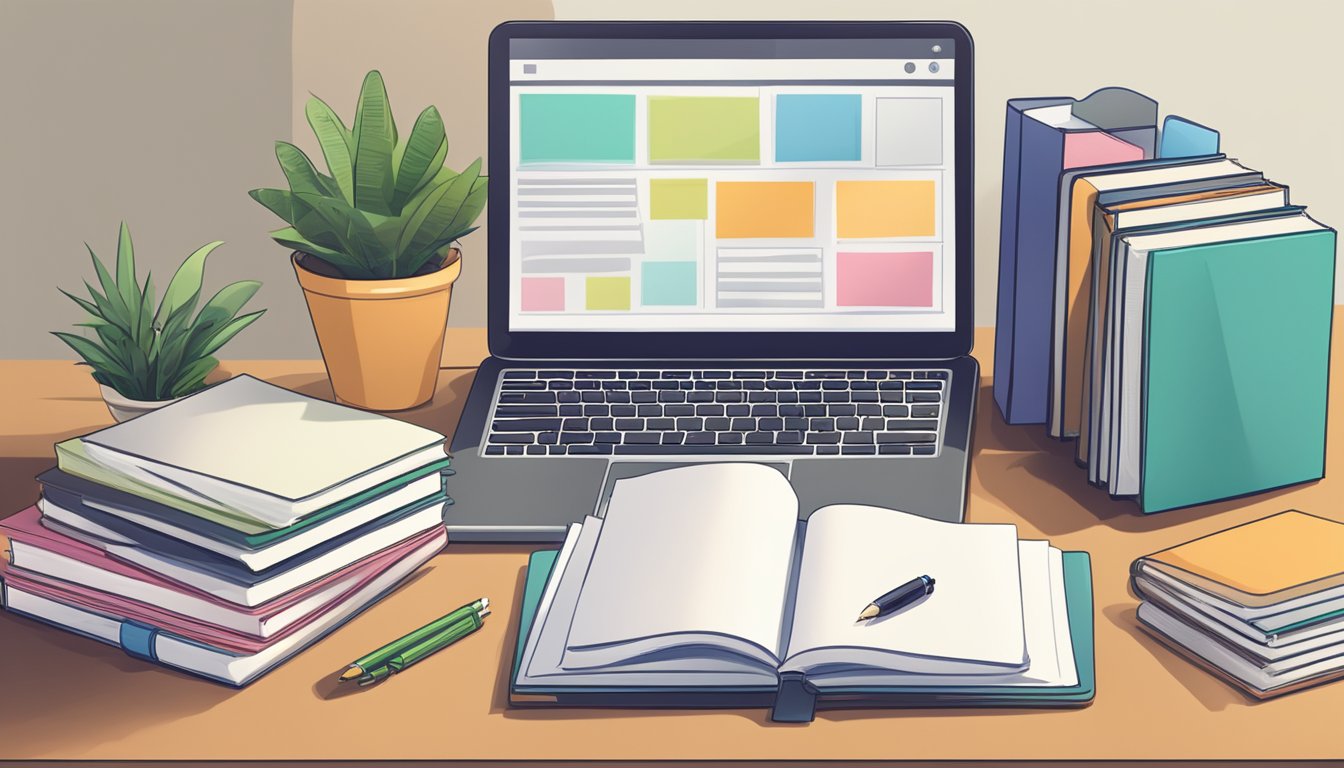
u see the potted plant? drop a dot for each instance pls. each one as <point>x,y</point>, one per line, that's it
<point>374,245</point>
<point>145,356</point>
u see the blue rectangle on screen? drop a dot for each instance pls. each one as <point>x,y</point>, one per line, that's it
<point>813,127</point>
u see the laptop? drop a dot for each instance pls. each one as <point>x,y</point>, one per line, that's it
<point>723,242</point>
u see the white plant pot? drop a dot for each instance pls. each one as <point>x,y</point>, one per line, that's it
<point>124,409</point>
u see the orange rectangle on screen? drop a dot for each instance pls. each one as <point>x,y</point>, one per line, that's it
<point>763,209</point>
<point>888,208</point>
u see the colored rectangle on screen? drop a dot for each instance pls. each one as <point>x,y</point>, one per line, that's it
<point>909,132</point>
<point>679,198</point>
<point>884,279</point>
<point>818,127</point>
<point>576,128</point>
<point>672,240</point>
<point>543,294</point>
<point>887,208</point>
<point>668,284</point>
<point>1083,148</point>
<point>763,209</point>
<point>607,293</point>
<point>693,129</point>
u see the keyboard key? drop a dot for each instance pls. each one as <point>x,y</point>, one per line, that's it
<point>869,409</point>
<point>570,438</point>
<point>596,410</point>
<point>709,410</point>
<point>627,374</point>
<point>872,424</point>
<point>607,437</point>
<point>652,409</point>
<point>553,374</point>
<point>923,384</point>
<point>770,423</point>
<point>678,410</point>
<point>718,424</point>
<point>553,450</point>
<point>640,385</point>
<point>921,411</point>
<point>642,438</point>
<point>806,385</point>
<point>809,397</point>
<point>590,450</point>
<point>714,375</point>
<point>513,450</point>
<point>899,424</point>
<point>760,438</point>
<point>586,384</point>
<point>623,410</point>
<point>662,423</point>
<point>548,438</point>
<point>891,396</point>
<point>748,374</point>
<point>525,410</point>
<point>906,437</point>
<point>602,423</point>
<point>568,397</point>
<point>898,374</point>
<point>699,438</point>
<point>877,375</point>
<point>691,424</point>
<point>524,425</point>
<point>943,375</point>
<point>788,374</point>
<point>790,410</point>
<point>530,398</point>
<point>761,397</point>
<point>923,397</point>
<point>699,396</point>
<point>787,397</point>
<point>575,425</point>
<point>857,438</point>
<point>842,409</point>
<point>744,424</point>
<point>730,438</point>
<point>676,374</point>
<point>595,396</point>
<point>738,410</point>
<point>823,425</point>
<point>898,410</point>
<point>559,384</point>
<point>923,450</point>
<point>753,384</point>
<point>522,386</point>
<point>860,450</point>
<point>891,385</point>
<point>594,374</point>
<point>673,438</point>
<point>863,385</point>
<point>796,423</point>
<point>535,450</point>
<point>828,450</point>
<point>789,438</point>
<point>814,410</point>
<point>857,374</point>
<point>571,410</point>
<point>893,450</point>
<point>663,385</point>
<point>846,423</point>
<point>728,397</point>
<point>830,384</point>
<point>764,410</point>
<point>823,438</point>
<point>835,397</point>
<point>863,397</point>
<point>777,384</point>
<point>824,375</point>
<point>618,397</point>
<point>718,450</point>
<point>519,375</point>
<point>674,396</point>
<point>511,437</point>
<point>644,397</point>
<point>728,385</point>
<point>630,425</point>
<point>610,385</point>
<point>650,374</point>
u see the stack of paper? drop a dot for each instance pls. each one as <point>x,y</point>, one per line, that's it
<point>700,580</point>
<point>224,533</point>
<point>1150,300</point>
<point>1262,604</point>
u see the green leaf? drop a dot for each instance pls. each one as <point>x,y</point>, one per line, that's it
<point>300,173</point>
<point>277,201</point>
<point>117,310</point>
<point>185,287</point>
<point>93,354</point>
<point>336,144</point>
<point>127,285</point>
<point>420,157</point>
<point>219,310</point>
<point>375,137</point>
<point>230,330</point>
<point>348,265</point>
<point>351,228</point>
<point>192,377</point>
<point>435,213</point>
<point>86,305</point>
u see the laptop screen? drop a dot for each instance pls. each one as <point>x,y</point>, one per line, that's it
<point>731,185</point>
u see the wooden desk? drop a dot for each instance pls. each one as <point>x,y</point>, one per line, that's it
<point>74,699</point>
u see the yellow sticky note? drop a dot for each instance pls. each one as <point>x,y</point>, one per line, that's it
<point>763,209</point>
<point>607,293</point>
<point>679,198</point>
<point>889,208</point>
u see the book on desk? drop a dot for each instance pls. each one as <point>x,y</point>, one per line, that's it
<point>700,588</point>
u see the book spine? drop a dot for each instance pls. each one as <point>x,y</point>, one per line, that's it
<point>1003,331</point>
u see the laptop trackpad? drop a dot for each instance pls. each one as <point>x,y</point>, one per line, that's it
<point>617,470</point>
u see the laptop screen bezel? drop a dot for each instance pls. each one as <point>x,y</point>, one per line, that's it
<point>748,345</point>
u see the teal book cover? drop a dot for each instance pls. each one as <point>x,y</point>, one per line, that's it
<point>1236,367</point>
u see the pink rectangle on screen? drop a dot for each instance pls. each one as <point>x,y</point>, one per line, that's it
<point>1082,148</point>
<point>543,294</point>
<point>884,279</point>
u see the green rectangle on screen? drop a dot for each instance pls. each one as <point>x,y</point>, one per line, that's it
<point>668,284</point>
<point>607,293</point>
<point>690,129</point>
<point>679,198</point>
<point>576,128</point>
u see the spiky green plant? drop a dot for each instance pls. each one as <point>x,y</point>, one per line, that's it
<point>386,207</point>
<point>156,353</point>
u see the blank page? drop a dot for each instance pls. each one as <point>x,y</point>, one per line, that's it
<point>693,555</point>
<point>972,623</point>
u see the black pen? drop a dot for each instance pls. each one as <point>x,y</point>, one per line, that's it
<point>898,598</point>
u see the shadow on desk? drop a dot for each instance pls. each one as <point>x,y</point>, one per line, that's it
<point>1055,495</point>
<point>1213,694</point>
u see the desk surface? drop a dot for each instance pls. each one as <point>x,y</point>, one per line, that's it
<point>70,698</point>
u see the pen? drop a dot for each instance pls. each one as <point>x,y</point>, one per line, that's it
<point>898,598</point>
<point>378,658</point>
<point>427,647</point>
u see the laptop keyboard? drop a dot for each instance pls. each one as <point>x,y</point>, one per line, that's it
<point>870,412</point>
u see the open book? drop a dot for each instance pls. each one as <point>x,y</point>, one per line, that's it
<point>702,576</point>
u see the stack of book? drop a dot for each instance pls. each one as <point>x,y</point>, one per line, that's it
<point>226,532</point>
<point>1151,290</point>
<point>1261,605</point>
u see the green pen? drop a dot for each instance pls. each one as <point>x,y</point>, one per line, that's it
<point>371,662</point>
<point>427,647</point>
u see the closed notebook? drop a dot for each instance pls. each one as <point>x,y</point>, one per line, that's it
<point>263,452</point>
<point>1234,400</point>
<point>1266,562</point>
<point>1044,137</point>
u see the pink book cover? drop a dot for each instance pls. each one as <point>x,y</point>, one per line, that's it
<point>25,527</point>
<point>1084,148</point>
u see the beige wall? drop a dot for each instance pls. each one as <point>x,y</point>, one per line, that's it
<point>1266,74</point>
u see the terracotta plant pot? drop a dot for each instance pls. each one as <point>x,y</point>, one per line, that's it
<point>124,408</point>
<point>381,339</point>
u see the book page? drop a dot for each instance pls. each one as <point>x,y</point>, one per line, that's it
<point>971,624</point>
<point>696,555</point>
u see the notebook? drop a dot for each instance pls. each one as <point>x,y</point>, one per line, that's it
<point>769,602</point>
<point>1044,137</point>
<point>274,456</point>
